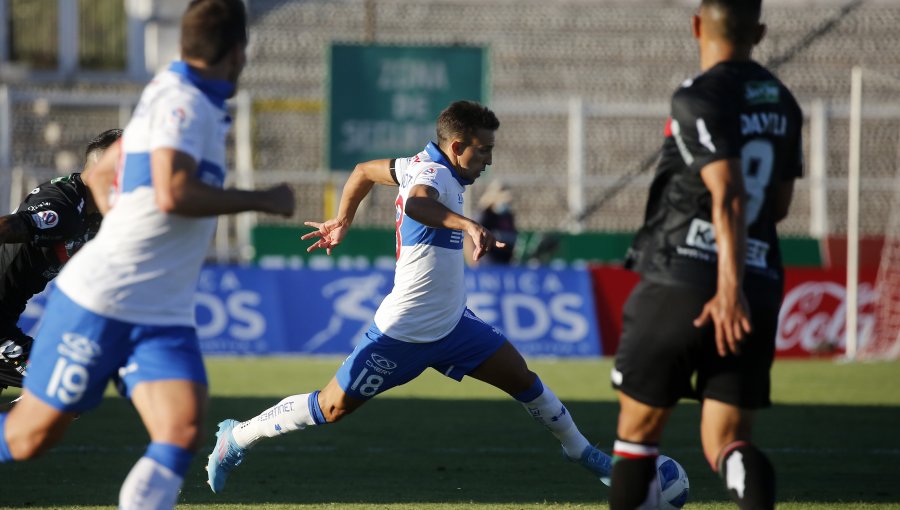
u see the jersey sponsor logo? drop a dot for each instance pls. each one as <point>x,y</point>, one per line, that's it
<point>45,219</point>
<point>702,235</point>
<point>277,410</point>
<point>380,364</point>
<point>79,349</point>
<point>37,206</point>
<point>64,178</point>
<point>383,362</point>
<point>762,92</point>
<point>763,123</point>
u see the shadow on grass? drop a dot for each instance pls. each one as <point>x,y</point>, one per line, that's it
<point>488,451</point>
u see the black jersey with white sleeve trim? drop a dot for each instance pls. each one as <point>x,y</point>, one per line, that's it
<point>735,110</point>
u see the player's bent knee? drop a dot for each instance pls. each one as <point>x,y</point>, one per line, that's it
<point>189,437</point>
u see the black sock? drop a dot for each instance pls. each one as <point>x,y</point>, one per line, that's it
<point>634,468</point>
<point>748,475</point>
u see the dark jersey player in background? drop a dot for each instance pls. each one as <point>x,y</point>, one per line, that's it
<point>711,274</point>
<point>53,222</point>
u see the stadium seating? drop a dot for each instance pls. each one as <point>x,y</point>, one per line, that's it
<point>618,52</point>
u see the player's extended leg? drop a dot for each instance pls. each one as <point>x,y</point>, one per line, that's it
<point>368,370</point>
<point>749,477</point>
<point>634,466</point>
<point>173,411</point>
<point>295,412</point>
<point>507,370</point>
<point>31,428</point>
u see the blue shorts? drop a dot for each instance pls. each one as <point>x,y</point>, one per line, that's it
<point>380,362</point>
<point>76,352</point>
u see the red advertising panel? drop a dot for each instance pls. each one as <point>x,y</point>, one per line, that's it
<point>813,314</point>
<point>812,319</point>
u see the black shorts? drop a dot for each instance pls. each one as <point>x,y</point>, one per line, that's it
<point>661,350</point>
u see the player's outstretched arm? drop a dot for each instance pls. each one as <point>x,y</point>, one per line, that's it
<point>329,234</point>
<point>179,192</point>
<point>728,309</point>
<point>423,206</point>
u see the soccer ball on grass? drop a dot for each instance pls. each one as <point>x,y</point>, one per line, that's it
<point>672,484</point>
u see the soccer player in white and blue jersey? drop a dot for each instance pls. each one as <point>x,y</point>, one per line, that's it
<point>124,304</point>
<point>424,321</point>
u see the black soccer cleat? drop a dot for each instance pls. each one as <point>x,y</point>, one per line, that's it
<point>14,353</point>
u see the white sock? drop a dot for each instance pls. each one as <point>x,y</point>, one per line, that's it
<point>551,413</point>
<point>289,415</point>
<point>149,486</point>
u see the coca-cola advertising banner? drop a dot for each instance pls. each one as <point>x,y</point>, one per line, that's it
<point>813,314</point>
<point>812,319</point>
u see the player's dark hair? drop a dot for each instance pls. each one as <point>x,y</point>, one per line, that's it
<point>212,28</point>
<point>102,141</point>
<point>462,118</point>
<point>740,18</point>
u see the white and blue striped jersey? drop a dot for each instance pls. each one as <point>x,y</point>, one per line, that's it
<point>143,264</point>
<point>429,297</point>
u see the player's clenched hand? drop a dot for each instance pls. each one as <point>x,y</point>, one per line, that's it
<point>279,200</point>
<point>729,313</point>
<point>328,234</point>
<point>483,240</point>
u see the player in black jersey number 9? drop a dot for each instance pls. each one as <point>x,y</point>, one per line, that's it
<point>702,321</point>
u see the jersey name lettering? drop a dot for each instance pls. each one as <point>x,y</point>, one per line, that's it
<point>763,123</point>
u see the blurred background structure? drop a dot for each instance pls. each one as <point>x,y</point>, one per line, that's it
<point>581,88</point>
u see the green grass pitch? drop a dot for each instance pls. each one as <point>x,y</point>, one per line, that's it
<point>833,434</point>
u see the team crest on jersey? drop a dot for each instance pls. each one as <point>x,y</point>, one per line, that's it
<point>45,219</point>
<point>177,119</point>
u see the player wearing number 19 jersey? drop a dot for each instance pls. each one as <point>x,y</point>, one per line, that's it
<point>711,274</point>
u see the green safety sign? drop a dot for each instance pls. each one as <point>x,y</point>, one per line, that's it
<point>383,100</point>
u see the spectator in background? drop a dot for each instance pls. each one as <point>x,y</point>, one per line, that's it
<point>498,217</point>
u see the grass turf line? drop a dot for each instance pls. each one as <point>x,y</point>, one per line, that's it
<point>436,444</point>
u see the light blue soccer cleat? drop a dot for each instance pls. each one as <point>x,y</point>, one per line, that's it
<point>597,462</point>
<point>225,456</point>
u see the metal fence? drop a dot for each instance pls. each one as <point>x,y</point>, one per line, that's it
<point>559,156</point>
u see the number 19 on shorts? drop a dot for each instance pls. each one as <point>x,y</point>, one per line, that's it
<point>68,382</point>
